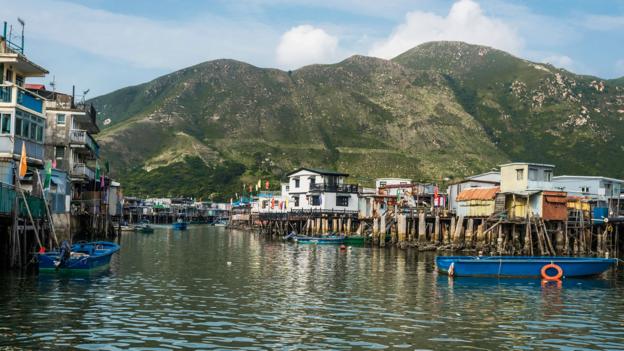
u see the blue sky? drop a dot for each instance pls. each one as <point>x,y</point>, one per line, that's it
<point>104,45</point>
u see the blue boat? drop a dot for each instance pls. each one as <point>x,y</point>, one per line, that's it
<point>523,266</point>
<point>80,256</point>
<point>180,225</point>
<point>331,239</point>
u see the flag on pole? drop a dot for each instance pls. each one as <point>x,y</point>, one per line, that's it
<point>259,186</point>
<point>266,185</point>
<point>97,170</point>
<point>48,175</point>
<point>54,163</point>
<point>102,181</point>
<point>250,188</point>
<point>23,165</point>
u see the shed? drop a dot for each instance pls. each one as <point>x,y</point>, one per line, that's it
<point>554,206</point>
<point>477,202</point>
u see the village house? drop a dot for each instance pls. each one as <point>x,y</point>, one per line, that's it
<point>22,112</point>
<point>528,190</point>
<point>602,193</point>
<point>321,190</point>
<point>483,180</point>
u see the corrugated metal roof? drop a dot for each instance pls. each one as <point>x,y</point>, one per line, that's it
<point>478,194</point>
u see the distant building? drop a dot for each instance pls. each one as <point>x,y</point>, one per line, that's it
<point>483,180</point>
<point>523,176</point>
<point>315,189</point>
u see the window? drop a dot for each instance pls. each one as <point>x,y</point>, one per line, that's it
<point>519,174</point>
<point>342,201</point>
<point>382,184</point>
<point>297,201</point>
<point>9,75</point>
<point>296,182</point>
<point>25,128</point>
<point>19,80</point>
<point>316,200</point>
<point>312,181</point>
<point>60,119</point>
<point>547,175</point>
<point>29,126</point>
<point>40,133</point>
<point>6,123</point>
<point>59,152</point>
<point>287,188</point>
<point>18,126</point>
<point>533,174</point>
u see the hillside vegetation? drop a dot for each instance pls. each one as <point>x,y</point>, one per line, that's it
<point>441,110</point>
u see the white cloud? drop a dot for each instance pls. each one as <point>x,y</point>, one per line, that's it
<point>560,61</point>
<point>304,45</point>
<point>604,23</point>
<point>464,22</point>
<point>140,41</point>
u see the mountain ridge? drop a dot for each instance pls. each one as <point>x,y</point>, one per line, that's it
<point>440,110</point>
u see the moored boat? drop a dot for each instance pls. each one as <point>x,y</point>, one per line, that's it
<point>80,256</point>
<point>180,225</point>
<point>145,228</point>
<point>328,239</point>
<point>355,240</point>
<point>523,266</point>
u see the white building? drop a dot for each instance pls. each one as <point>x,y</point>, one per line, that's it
<point>314,189</point>
<point>601,189</point>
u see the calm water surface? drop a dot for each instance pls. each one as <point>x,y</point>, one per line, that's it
<point>176,290</point>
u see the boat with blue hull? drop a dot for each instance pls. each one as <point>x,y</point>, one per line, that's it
<point>82,256</point>
<point>523,266</point>
<point>321,240</point>
<point>180,225</point>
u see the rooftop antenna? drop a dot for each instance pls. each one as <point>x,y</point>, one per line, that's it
<point>84,95</point>
<point>53,84</point>
<point>21,21</point>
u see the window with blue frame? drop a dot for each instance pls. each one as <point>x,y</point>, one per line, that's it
<point>6,123</point>
<point>29,126</point>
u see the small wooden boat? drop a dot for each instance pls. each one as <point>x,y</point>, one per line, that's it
<point>80,256</point>
<point>145,228</point>
<point>328,239</point>
<point>180,225</point>
<point>550,268</point>
<point>355,240</point>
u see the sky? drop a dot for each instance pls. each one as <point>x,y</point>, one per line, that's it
<point>105,45</point>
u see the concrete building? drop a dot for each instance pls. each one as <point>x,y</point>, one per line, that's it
<point>483,180</point>
<point>523,176</point>
<point>314,189</point>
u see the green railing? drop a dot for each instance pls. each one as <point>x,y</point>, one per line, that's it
<point>7,199</point>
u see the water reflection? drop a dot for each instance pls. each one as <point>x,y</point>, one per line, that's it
<point>174,289</point>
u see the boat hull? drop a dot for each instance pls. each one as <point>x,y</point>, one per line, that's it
<point>327,240</point>
<point>521,267</point>
<point>355,240</point>
<point>180,226</point>
<point>85,256</point>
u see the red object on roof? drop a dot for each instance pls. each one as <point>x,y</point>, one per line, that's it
<point>478,194</point>
<point>34,86</point>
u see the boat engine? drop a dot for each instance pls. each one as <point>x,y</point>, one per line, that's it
<point>64,254</point>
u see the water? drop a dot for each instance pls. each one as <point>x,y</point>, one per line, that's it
<point>176,290</point>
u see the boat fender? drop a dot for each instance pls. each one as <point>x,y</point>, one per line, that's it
<point>451,270</point>
<point>555,277</point>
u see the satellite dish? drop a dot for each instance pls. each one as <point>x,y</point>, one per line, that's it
<point>107,121</point>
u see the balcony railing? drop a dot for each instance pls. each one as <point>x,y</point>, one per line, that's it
<point>82,170</point>
<point>33,149</point>
<point>82,137</point>
<point>334,188</point>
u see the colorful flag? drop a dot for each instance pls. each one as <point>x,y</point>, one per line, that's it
<point>23,165</point>
<point>97,170</point>
<point>266,185</point>
<point>259,184</point>
<point>250,188</point>
<point>102,182</point>
<point>48,175</point>
<point>54,163</point>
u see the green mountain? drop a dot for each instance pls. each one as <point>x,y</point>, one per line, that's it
<point>441,110</point>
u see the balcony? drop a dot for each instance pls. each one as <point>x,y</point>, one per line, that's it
<point>82,170</point>
<point>334,188</point>
<point>10,93</point>
<point>83,138</point>
<point>33,149</point>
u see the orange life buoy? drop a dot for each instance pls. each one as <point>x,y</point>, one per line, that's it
<point>545,275</point>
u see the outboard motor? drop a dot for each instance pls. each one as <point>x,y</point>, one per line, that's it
<point>64,254</point>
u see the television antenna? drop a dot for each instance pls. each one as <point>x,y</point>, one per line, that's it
<point>23,24</point>
<point>53,84</point>
<point>84,95</point>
